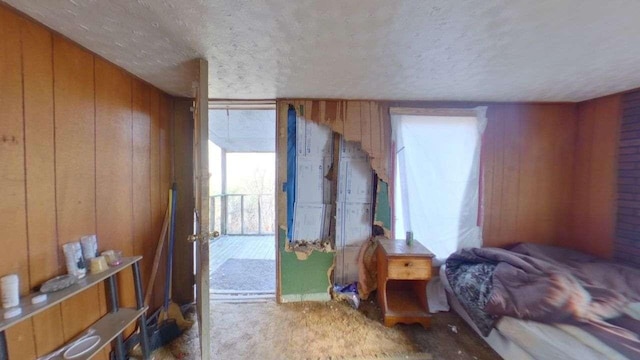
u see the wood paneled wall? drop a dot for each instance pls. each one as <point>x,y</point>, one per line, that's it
<point>592,226</point>
<point>528,155</point>
<point>85,149</point>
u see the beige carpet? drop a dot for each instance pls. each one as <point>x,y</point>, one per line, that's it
<point>330,330</point>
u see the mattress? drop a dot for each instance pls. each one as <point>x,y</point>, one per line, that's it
<point>520,339</point>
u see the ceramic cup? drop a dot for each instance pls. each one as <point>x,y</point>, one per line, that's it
<point>89,245</point>
<point>98,264</point>
<point>10,288</point>
<point>74,260</point>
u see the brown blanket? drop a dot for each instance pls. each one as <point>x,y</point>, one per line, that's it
<point>554,285</point>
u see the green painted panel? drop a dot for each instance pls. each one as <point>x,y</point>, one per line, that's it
<point>383,208</point>
<point>303,277</point>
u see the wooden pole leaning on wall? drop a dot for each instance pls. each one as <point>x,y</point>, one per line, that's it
<point>156,258</point>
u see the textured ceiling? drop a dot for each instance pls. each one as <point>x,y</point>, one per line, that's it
<point>501,50</point>
<point>243,130</point>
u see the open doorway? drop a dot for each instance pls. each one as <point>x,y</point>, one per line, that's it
<point>242,201</point>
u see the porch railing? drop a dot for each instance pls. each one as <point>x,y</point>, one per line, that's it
<point>242,214</point>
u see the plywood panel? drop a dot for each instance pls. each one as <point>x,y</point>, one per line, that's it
<point>48,183</point>
<point>12,156</point>
<point>40,176</point>
<point>13,237</point>
<point>156,189</point>
<point>39,140</point>
<point>75,166</point>
<point>114,167</point>
<point>113,157</point>
<point>528,166</point>
<point>143,243</point>
<point>594,195</point>
<point>352,121</point>
<point>166,165</point>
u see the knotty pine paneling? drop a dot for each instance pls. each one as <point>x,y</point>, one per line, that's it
<point>81,142</point>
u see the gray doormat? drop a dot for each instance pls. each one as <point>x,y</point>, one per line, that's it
<point>245,275</point>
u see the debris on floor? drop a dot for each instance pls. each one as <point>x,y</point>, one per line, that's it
<point>348,293</point>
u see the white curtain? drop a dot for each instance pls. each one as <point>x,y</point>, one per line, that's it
<point>437,180</point>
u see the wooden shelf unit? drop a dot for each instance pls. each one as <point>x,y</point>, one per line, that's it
<point>403,274</point>
<point>109,327</point>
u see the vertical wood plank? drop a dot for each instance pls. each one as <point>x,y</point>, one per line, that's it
<point>40,172</point>
<point>155,189</point>
<point>114,155</point>
<point>166,166</point>
<point>595,176</point>
<point>12,155</point>
<point>75,166</point>
<point>495,115</point>
<point>365,125</point>
<point>13,236</point>
<point>352,121</point>
<point>40,176</point>
<point>511,174</point>
<point>376,133</point>
<point>143,243</point>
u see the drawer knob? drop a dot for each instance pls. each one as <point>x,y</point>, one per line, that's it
<point>407,264</point>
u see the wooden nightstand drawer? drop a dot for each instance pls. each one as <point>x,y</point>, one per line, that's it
<point>409,269</point>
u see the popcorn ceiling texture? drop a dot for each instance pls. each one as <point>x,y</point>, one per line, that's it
<point>498,50</point>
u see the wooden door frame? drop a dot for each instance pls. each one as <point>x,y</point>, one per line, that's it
<point>201,162</point>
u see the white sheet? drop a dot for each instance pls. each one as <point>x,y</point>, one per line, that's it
<point>521,339</point>
<point>437,179</point>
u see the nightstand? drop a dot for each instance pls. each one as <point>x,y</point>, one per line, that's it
<point>403,273</point>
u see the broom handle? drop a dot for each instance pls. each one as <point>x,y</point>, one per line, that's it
<point>172,234</point>
<point>156,258</point>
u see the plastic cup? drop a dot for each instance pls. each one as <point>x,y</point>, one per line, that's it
<point>89,245</point>
<point>10,288</point>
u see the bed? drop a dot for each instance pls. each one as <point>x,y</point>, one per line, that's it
<point>542,302</point>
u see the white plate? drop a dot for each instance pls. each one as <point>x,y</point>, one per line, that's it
<point>81,347</point>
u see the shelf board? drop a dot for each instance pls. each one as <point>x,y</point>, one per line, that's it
<point>404,303</point>
<point>29,310</point>
<point>108,327</point>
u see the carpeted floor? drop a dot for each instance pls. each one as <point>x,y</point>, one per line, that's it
<point>245,275</point>
<point>330,330</point>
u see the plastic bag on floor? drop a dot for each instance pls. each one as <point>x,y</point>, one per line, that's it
<point>348,293</point>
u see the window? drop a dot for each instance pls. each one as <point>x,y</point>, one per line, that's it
<point>437,177</point>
